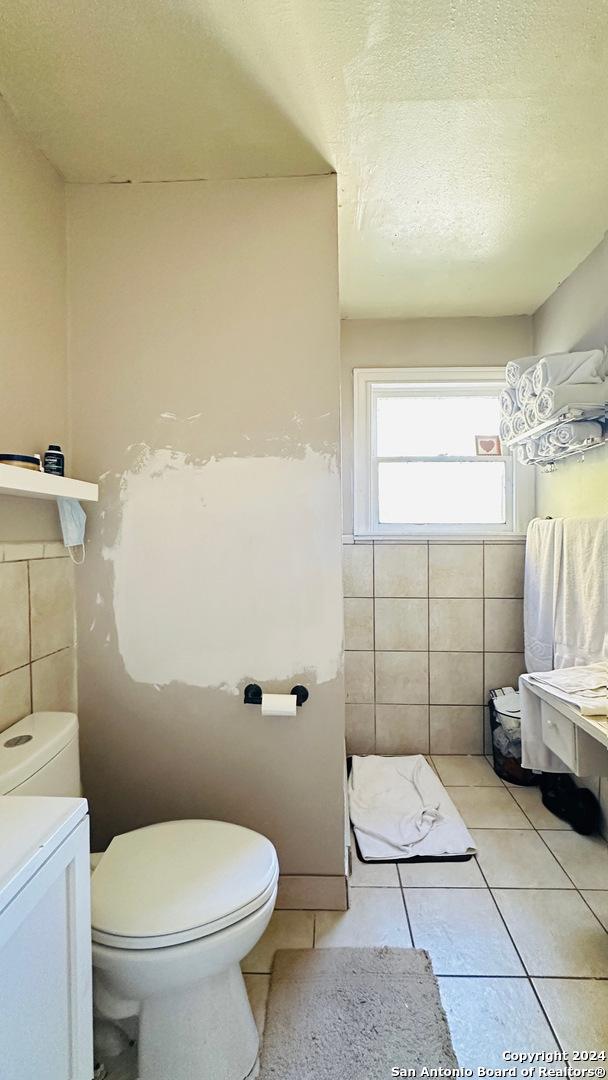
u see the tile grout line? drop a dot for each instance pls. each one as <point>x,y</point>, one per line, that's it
<point>569,876</point>
<point>29,622</point>
<point>374,644</point>
<point>428,648</point>
<point>521,959</point>
<point>403,900</point>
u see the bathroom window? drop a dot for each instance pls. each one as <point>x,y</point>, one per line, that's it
<point>418,470</point>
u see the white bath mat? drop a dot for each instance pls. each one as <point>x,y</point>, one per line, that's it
<point>400,810</point>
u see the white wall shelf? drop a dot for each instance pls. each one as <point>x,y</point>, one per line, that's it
<point>41,485</point>
<point>564,416</point>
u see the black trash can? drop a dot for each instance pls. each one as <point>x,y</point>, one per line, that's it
<point>505,722</point>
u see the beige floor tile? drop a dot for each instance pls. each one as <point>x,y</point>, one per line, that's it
<point>376,918</point>
<point>598,902</point>
<point>462,931</point>
<point>466,771</point>
<point>529,798</point>
<point>257,992</point>
<point>517,858</point>
<point>372,875</point>
<point>578,1011</point>
<point>489,1016</point>
<point>584,858</point>
<point>442,875</point>
<point>555,932</point>
<point>488,808</point>
<point>286,930</point>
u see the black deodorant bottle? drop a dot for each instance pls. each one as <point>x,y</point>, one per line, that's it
<point>54,460</point>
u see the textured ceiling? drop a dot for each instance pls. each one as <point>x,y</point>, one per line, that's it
<point>469,136</point>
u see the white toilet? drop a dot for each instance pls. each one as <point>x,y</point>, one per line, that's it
<point>175,908</point>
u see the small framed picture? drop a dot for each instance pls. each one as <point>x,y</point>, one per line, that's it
<point>488,446</point>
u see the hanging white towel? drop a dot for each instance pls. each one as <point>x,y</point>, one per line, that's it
<point>581,610</point>
<point>552,400</point>
<point>515,369</point>
<point>399,808</point>
<point>542,568</point>
<point>571,368</point>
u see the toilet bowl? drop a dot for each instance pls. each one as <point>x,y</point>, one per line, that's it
<point>175,908</point>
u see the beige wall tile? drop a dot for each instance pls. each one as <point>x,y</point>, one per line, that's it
<point>502,669</point>
<point>401,624</point>
<point>455,570</point>
<point>20,552</point>
<point>15,699</point>
<point>360,729</point>
<point>504,625</point>
<point>456,678</point>
<point>52,605</point>
<point>309,892</point>
<point>401,569</point>
<point>456,625</point>
<point>14,620</point>
<point>359,677</point>
<point>456,729</point>
<point>402,678</point>
<point>504,570</point>
<point>402,729</point>
<point>54,682</point>
<point>55,550</point>
<point>358,623</point>
<point>358,569</point>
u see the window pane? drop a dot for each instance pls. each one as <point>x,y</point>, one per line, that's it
<point>418,426</point>
<point>441,492</point>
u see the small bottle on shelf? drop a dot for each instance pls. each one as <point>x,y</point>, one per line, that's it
<point>54,460</point>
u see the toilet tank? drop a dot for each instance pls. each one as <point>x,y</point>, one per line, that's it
<point>39,756</point>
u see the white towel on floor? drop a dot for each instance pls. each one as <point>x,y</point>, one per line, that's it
<point>552,400</point>
<point>399,808</point>
<point>572,368</point>
<point>515,369</point>
<point>542,568</point>
<point>581,610</point>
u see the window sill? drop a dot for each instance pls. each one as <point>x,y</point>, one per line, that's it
<point>436,538</point>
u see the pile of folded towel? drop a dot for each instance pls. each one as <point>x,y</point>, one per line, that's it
<point>541,388</point>
<point>585,686</point>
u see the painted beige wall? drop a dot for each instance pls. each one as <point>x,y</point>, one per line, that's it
<point>469,342</point>
<point>32,319</point>
<point>576,317</point>
<point>204,354</point>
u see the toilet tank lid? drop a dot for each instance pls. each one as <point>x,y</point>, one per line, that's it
<point>32,743</point>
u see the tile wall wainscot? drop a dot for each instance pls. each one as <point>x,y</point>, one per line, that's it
<point>430,628</point>
<point>37,631</point>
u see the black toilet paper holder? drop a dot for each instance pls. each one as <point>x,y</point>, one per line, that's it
<point>253,694</point>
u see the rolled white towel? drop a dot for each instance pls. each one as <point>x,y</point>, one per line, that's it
<point>572,368</point>
<point>515,369</point>
<point>508,401</point>
<point>552,400</point>
<point>522,456</point>
<point>531,448</point>
<point>530,412</point>
<point>577,432</point>
<point>546,448</point>
<point>518,422</point>
<point>525,389</point>
<point>506,429</point>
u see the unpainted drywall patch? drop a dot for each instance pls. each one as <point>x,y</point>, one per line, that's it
<point>228,570</point>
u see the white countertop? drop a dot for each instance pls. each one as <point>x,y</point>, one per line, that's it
<point>31,828</point>
<point>596,726</point>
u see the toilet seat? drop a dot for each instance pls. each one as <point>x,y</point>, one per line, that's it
<point>179,881</point>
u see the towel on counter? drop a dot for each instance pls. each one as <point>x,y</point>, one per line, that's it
<point>581,610</point>
<point>585,686</point>
<point>572,368</point>
<point>576,432</point>
<point>400,809</point>
<point>516,368</point>
<point>542,570</point>
<point>551,400</point>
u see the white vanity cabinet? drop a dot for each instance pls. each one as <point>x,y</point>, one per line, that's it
<point>45,940</point>
<point>581,742</point>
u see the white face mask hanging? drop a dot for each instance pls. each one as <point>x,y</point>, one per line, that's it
<point>73,519</point>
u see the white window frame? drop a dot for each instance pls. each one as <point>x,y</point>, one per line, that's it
<point>369,383</point>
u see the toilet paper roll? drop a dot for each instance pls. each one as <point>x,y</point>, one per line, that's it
<point>279,704</point>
